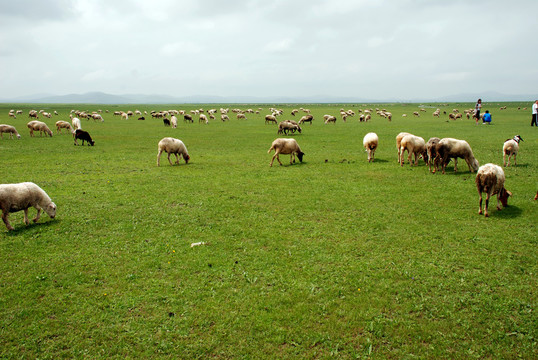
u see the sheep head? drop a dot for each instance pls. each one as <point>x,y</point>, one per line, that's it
<point>503,196</point>
<point>186,157</point>
<point>300,155</point>
<point>50,209</point>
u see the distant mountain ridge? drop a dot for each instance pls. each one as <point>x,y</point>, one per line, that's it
<point>104,98</point>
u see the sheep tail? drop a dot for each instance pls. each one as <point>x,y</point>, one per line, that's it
<point>271,149</point>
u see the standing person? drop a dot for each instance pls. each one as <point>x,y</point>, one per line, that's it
<point>477,108</point>
<point>534,114</point>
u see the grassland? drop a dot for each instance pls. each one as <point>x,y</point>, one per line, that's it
<point>331,258</point>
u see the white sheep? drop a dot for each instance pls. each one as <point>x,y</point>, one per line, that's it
<point>399,138</point>
<point>329,118</point>
<point>63,125</point>
<point>511,148</point>
<point>76,123</point>
<point>370,143</point>
<point>490,179</point>
<point>10,130</point>
<point>453,148</point>
<point>17,197</point>
<point>172,146</point>
<point>286,146</point>
<point>40,126</point>
<point>414,145</point>
<point>270,119</point>
<point>173,121</point>
<point>203,119</point>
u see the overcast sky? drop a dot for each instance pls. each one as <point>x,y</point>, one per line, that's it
<point>400,49</point>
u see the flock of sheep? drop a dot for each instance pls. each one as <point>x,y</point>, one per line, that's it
<point>436,152</point>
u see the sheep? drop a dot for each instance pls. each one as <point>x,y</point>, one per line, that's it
<point>306,118</point>
<point>166,122</point>
<point>370,142</point>
<point>173,121</point>
<point>241,116</point>
<point>17,197</point>
<point>285,146</point>
<point>416,114</point>
<point>141,118</point>
<point>10,130</point>
<point>490,179</point>
<point>76,123</point>
<point>188,118</point>
<point>414,145</point>
<point>367,117</point>
<point>454,148</point>
<point>399,138</point>
<point>329,118</point>
<point>84,136</point>
<point>172,146</point>
<point>33,114</point>
<point>203,119</point>
<point>224,117</point>
<point>284,127</point>
<point>270,119</point>
<point>35,125</point>
<point>431,148</point>
<point>63,125</point>
<point>511,147</point>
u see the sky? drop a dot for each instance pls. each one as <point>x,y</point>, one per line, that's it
<point>383,49</point>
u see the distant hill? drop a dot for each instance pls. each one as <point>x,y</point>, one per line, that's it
<point>104,98</point>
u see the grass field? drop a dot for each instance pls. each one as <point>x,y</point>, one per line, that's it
<point>333,257</point>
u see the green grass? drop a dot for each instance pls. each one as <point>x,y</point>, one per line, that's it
<point>334,257</point>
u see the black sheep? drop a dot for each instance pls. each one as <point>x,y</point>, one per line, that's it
<point>84,136</point>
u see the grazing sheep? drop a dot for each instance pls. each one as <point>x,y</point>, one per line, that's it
<point>284,127</point>
<point>84,136</point>
<point>270,119</point>
<point>511,147</point>
<point>490,179</point>
<point>10,130</point>
<point>306,118</point>
<point>173,121</point>
<point>241,116</point>
<point>35,125</point>
<point>399,138</point>
<point>166,122</point>
<point>286,146</point>
<point>414,145</point>
<point>416,114</point>
<point>141,118</point>
<point>17,197</point>
<point>172,146</point>
<point>370,142</point>
<point>188,118</point>
<point>453,148</point>
<point>329,118</point>
<point>367,117</point>
<point>203,119</point>
<point>431,148</point>
<point>63,125</point>
<point>76,123</point>
<point>224,117</point>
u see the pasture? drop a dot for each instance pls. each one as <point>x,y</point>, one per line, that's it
<point>332,257</point>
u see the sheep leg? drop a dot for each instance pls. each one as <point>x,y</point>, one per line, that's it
<point>515,162</point>
<point>159,157</point>
<point>455,164</point>
<point>37,216</point>
<point>480,204</point>
<point>26,217</point>
<point>6,221</point>
<point>487,204</point>
<point>177,158</point>
<point>504,159</point>
<point>170,161</point>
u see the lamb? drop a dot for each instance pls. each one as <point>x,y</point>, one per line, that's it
<point>454,148</point>
<point>173,121</point>
<point>431,148</point>
<point>35,125</point>
<point>10,130</point>
<point>414,145</point>
<point>172,146</point>
<point>84,136</point>
<point>490,179</point>
<point>63,125</point>
<point>370,142</point>
<point>284,127</point>
<point>17,197</point>
<point>399,138</point>
<point>511,147</point>
<point>286,146</point>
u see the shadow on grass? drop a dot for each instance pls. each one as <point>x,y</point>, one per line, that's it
<point>508,212</point>
<point>20,229</point>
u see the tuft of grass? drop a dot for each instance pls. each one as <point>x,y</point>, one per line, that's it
<point>332,257</point>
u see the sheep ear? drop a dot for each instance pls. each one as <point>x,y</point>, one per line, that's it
<point>509,193</point>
